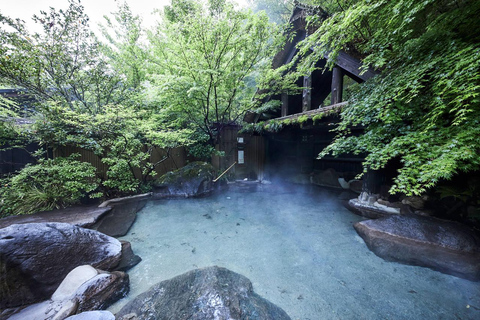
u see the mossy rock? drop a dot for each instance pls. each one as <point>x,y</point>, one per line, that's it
<point>195,179</point>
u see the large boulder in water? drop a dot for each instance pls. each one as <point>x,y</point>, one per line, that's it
<point>129,259</point>
<point>195,179</point>
<point>202,294</point>
<point>36,257</point>
<point>441,245</point>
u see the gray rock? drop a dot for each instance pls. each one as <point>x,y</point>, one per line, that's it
<point>415,202</point>
<point>356,185</point>
<point>36,257</point>
<point>80,216</point>
<point>365,210</point>
<point>195,179</point>
<point>118,221</point>
<point>202,294</point>
<point>46,310</point>
<point>369,206</point>
<point>134,198</point>
<point>441,245</point>
<point>74,279</point>
<point>102,291</point>
<point>129,259</point>
<point>93,315</point>
<point>83,289</point>
<point>326,178</point>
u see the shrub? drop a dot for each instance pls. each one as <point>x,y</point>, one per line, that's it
<point>49,184</point>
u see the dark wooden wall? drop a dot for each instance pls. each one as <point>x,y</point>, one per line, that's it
<point>294,150</point>
<point>15,159</point>
<point>253,148</point>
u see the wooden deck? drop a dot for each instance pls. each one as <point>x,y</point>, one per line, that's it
<point>311,113</point>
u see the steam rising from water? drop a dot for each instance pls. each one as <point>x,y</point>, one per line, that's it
<point>299,249</point>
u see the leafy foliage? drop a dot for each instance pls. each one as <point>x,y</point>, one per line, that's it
<point>122,136</point>
<point>88,94</point>
<point>126,97</point>
<point>10,135</point>
<point>52,183</point>
<point>202,62</point>
<point>424,108</point>
<point>278,11</point>
<point>125,48</point>
<point>63,64</point>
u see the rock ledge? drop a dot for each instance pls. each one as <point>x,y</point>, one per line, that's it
<point>441,245</point>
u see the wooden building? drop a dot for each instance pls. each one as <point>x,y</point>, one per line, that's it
<point>293,150</point>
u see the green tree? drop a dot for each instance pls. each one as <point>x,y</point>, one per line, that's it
<point>424,107</point>
<point>179,9</point>
<point>63,63</point>
<point>122,136</point>
<point>7,122</point>
<point>278,11</point>
<point>89,94</point>
<point>125,47</point>
<point>202,62</point>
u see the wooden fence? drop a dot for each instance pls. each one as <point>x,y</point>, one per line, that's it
<point>173,159</point>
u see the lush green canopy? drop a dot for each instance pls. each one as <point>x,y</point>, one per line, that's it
<point>122,97</point>
<point>203,63</point>
<point>424,107</point>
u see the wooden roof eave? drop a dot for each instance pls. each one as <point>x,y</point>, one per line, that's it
<point>353,66</point>
<point>311,113</point>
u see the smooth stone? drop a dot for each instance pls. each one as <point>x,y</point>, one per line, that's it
<point>119,220</point>
<point>129,259</point>
<point>123,200</point>
<point>36,257</point>
<point>102,291</point>
<point>84,289</point>
<point>80,216</point>
<point>46,310</point>
<point>73,281</point>
<point>369,206</point>
<point>445,246</point>
<point>356,185</point>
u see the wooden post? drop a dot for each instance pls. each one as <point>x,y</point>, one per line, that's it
<point>337,85</point>
<point>284,104</point>
<point>307,94</point>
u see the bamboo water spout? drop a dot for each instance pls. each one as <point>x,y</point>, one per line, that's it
<point>215,180</point>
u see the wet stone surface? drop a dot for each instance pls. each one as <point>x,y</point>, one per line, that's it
<point>442,245</point>
<point>36,257</point>
<point>202,294</point>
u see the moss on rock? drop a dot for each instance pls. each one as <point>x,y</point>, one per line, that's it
<point>194,179</point>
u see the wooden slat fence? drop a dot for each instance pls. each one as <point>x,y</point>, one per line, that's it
<point>174,158</point>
